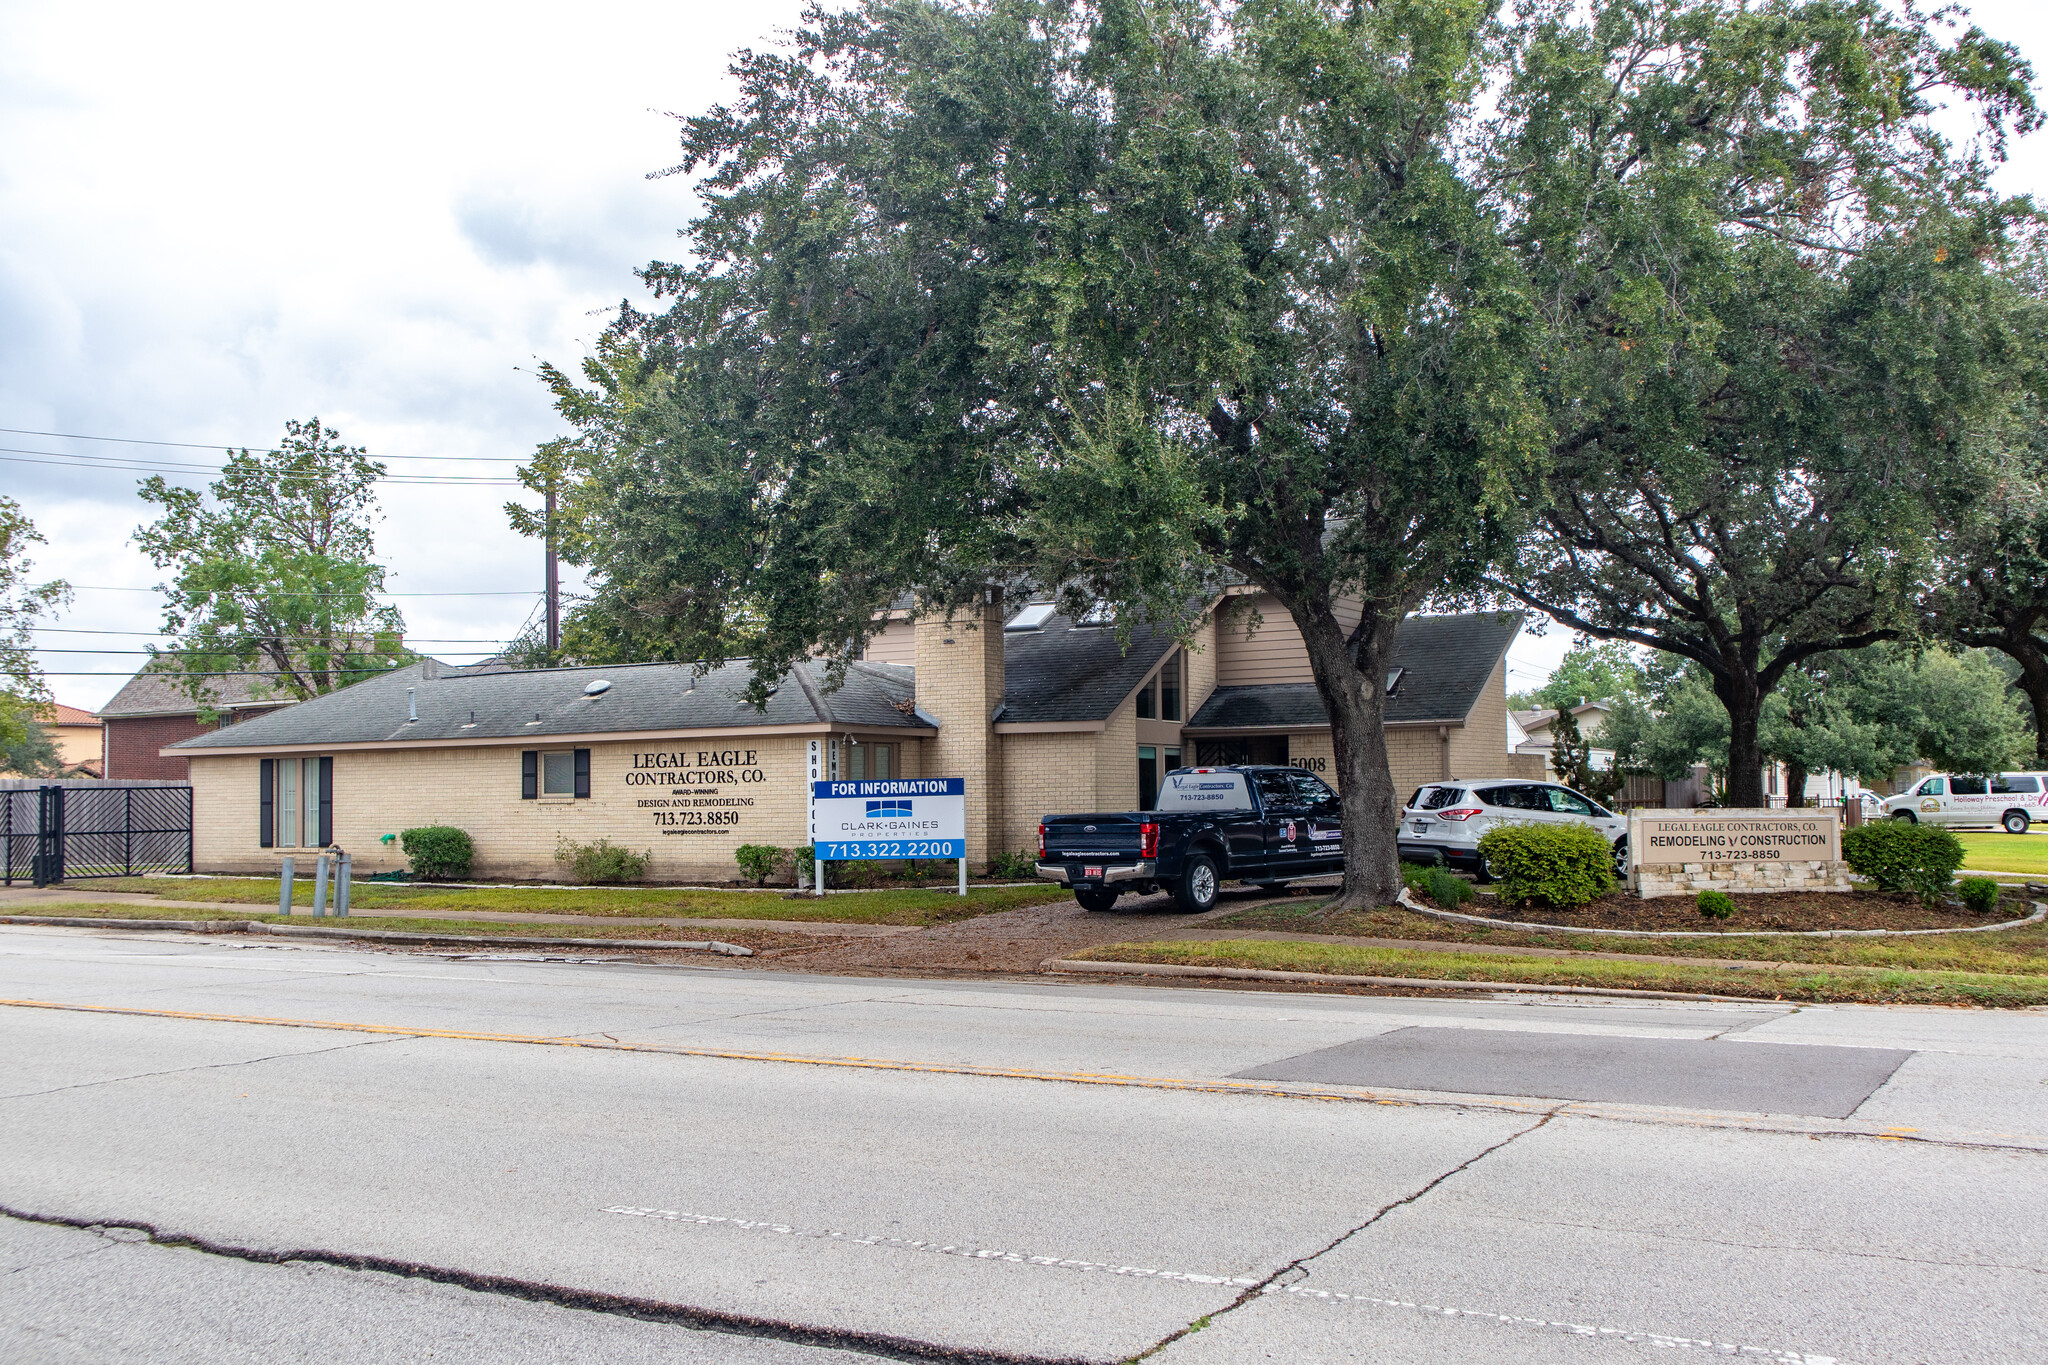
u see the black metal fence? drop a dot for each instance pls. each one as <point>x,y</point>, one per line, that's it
<point>55,831</point>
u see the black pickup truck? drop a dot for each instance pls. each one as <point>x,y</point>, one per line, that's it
<point>1263,825</point>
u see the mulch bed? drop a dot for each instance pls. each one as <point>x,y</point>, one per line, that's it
<point>1787,910</point>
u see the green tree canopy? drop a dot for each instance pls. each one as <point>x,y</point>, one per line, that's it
<point>1781,331</point>
<point>23,689</point>
<point>274,569</point>
<point>1131,296</point>
<point>1591,670</point>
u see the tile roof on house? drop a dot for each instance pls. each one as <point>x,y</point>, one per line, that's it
<point>150,693</point>
<point>496,703</point>
<point>1444,662</point>
<point>60,714</point>
<point>1060,671</point>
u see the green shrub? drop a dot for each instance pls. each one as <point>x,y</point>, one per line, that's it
<point>1979,894</point>
<point>1900,855</point>
<point>1013,867</point>
<point>759,861</point>
<point>1445,887</point>
<point>802,863</point>
<point>438,851</point>
<point>1561,866</point>
<point>602,862</point>
<point>1717,905</point>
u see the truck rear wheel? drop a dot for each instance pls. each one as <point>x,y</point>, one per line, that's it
<point>1096,900</point>
<point>2015,822</point>
<point>1195,892</point>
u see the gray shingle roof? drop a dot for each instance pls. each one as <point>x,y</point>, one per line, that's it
<point>164,694</point>
<point>1444,662</point>
<point>496,704</point>
<point>1061,671</point>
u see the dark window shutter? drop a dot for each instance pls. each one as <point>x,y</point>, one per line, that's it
<point>583,772</point>
<point>326,802</point>
<point>266,806</point>
<point>529,775</point>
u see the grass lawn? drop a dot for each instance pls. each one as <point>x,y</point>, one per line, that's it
<point>2002,852</point>
<point>543,929</point>
<point>1789,982</point>
<point>917,907</point>
<point>2019,952</point>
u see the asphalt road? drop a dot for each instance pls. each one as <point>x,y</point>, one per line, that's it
<point>285,1152</point>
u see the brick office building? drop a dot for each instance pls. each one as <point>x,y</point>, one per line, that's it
<point>1038,712</point>
<point>153,711</point>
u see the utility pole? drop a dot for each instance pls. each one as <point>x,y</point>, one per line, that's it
<point>554,583</point>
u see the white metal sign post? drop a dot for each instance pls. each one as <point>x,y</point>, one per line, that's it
<point>908,817</point>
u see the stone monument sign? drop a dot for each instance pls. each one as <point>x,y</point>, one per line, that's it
<point>1675,852</point>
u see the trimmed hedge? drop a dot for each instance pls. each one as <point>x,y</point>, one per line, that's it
<point>602,862</point>
<point>1901,855</point>
<point>1979,894</point>
<point>1717,905</point>
<point>759,861</point>
<point>438,851</point>
<point>1561,866</point>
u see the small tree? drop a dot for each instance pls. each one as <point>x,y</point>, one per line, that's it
<point>23,691</point>
<point>275,570</point>
<point>1571,758</point>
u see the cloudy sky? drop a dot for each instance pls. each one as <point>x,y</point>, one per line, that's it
<point>217,216</point>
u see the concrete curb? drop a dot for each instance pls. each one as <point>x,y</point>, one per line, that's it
<point>241,926</point>
<point>1418,982</point>
<point>1453,917</point>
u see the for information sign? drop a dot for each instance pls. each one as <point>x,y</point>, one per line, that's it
<point>907,817</point>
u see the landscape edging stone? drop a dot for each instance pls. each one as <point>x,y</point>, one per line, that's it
<point>1407,899</point>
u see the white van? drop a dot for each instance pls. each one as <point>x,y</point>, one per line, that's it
<point>1962,800</point>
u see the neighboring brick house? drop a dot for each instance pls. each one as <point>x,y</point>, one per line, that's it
<point>1037,712</point>
<point>153,711</point>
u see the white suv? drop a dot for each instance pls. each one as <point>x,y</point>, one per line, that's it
<point>1443,821</point>
<point>1961,799</point>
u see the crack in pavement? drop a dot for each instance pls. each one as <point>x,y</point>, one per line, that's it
<point>208,1066</point>
<point>879,1344</point>
<point>1300,1263</point>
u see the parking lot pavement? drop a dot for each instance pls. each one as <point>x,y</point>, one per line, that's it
<point>1004,1171</point>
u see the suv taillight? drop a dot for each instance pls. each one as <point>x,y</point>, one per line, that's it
<point>1148,840</point>
<point>1462,813</point>
<point>1041,843</point>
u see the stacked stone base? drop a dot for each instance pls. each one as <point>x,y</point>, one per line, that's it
<point>1686,879</point>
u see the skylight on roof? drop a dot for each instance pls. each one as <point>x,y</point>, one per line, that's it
<point>1032,617</point>
<point>1101,614</point>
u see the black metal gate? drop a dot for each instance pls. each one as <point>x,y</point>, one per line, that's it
<point>56,832</point>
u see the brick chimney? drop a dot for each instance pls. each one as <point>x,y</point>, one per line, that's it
<point>960,683</point>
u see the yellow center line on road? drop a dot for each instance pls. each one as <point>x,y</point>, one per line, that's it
<point>1221,1087</point>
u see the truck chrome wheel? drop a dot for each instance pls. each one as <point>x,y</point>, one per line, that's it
<point>1197,889</point>
<point>2015,822</point>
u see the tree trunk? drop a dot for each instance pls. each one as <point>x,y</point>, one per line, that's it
<point>1745,703</point>
<point>1354,694</point>
<point>2034,682</point>
<point>1795,783</point>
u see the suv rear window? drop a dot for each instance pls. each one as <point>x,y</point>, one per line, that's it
<point>2007,783</point>
<point>1511,798</point>
<point>1441,797</point>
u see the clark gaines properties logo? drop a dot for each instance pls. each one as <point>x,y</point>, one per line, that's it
<point>889,808</point>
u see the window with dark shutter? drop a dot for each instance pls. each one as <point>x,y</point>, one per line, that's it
<point>326,802</point>
<point>266,805</point>
<point>529,775</point>
<point>583,772</point>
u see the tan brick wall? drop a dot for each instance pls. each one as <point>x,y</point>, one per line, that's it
<point>1045,775</point>
<point>1479,748</point>
<point>960,684</point>
<point>477,789</point>
<point>1116,761</point>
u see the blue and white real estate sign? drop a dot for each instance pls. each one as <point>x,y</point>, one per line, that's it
<point>907,817</point>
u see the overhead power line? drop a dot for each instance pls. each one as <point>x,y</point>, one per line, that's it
<point>160,635</point>
<point>190,445</point>
<point>108,464</point>
<point>533,592</point>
